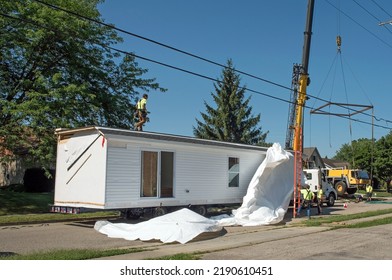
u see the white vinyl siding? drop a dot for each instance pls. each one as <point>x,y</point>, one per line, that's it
<point>187,173</point>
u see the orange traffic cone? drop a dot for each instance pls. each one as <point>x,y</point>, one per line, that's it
<point>345,205</point>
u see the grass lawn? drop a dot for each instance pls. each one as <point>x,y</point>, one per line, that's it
<point>21,207</point>
<point>12,203</point>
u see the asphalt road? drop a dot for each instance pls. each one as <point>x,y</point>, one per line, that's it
<point>284,241</point>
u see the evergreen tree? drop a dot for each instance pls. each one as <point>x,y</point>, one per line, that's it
<point>232,119</point>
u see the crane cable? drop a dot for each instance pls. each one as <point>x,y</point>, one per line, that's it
<point>339,42</point>
<point>339,53</point>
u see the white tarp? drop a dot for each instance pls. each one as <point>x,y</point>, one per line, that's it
<point>181,226</point>
<point>266,202</point>
<point>269,192</point>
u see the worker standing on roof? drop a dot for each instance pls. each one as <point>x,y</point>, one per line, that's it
<point>369,192</point>
<point>141,108</point>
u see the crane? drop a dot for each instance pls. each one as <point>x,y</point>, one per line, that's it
<point>300,82</point>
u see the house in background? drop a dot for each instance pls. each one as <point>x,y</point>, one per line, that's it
<point>13,165</point>
<point>333,164</point>
<point>312,158</point>
<point>12,171</point>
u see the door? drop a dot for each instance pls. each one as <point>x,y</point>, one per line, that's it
<point>157,174</point>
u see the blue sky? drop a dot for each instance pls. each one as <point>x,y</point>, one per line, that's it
<point>265,39</point>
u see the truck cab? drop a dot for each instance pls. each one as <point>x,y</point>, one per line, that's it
<point>314,178</point>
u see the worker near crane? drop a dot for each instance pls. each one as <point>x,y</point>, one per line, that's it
<point>141,108</point>
<point>369,192</point>
<point>308,197</point>
<point>319,199</point>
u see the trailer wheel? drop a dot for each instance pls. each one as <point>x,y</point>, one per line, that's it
<point>133,214</point>
<point>331,200</point>
<point>159,211</point>
<point>340,188</point>
<point>200,209</point>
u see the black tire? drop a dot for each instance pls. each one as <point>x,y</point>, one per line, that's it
<point>331,200</point>
<point>352,190</point>
<point>200,209</point>
<point>340,188</point>
<point>132,214</point>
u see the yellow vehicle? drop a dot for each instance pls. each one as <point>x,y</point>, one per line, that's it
<point>347,180</point>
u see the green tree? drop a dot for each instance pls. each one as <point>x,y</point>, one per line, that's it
<point>358,153</point>
<point>58,70</point>
<point>365,154</point>
<point>231,120</point>
<point>383,157</point>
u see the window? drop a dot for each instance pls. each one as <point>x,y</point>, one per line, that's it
<point>234,172</point>
<point>167,167</point>
<point>308,175</point>
<point>157,174</point>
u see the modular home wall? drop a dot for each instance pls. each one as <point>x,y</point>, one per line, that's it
<point>200,172</point>
<point>81,170</point>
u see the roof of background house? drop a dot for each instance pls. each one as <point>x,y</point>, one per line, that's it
<point>335,163</point>
<point>307,152</point>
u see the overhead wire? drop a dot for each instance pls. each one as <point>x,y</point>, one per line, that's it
<point>377,37</point>
<point>184,52</point>
<point>159,43</point>
<point>374,35</point>
<point>180,69</point>
<point>371,14</point>
<point>173,48</point>
<point>150,60</point>
<point>381,8</point>
<point>360,25</point>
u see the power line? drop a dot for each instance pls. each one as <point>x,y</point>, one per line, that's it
<point>178,50</point>
<point>186,71</point>
<point>181,69</point>
<point>363,27</point>
<point>159,43</point>
<point>381,8</point>
<point>367,11</point>
<point>151,60</point>
<point>172,48</point>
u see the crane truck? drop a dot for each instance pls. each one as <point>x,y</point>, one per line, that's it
<point>347,180</point>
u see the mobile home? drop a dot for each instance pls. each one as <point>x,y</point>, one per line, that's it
<point>132,171</point>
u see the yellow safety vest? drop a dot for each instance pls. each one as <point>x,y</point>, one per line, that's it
<point>320,194</point>
<point>369,188</point>
<point>308,194</point>
<point>141,104</point>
